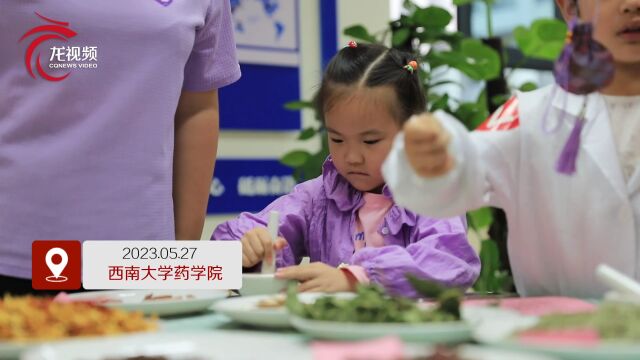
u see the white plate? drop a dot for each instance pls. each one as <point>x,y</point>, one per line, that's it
<point>442,332</point>
<point>228,345</point>
<point>446,332</point>
<point>12,350</point>
<point>110,346</point>
<point>496,327</point>
<point>134,300</point>
<point>9,350</point>
<point>245,310</point>
<point>186,345</point>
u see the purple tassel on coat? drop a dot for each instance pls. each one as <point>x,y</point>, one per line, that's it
<point>585,66</point>
<point>569,156</point>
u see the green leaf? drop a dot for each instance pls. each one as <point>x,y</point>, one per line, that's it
<point>484,58</point>
<point>482,102</point>
<point>448,299</point>
<point>293,303</point>
<point>490,263</point>
<point>400,36</point>
<point>498,100</point>
<point>465,2</point>
<point>425,288</point>
<point>452,38</point>
<point>471,114</point>
<point>295,158</point>
<point>359,32</point>
<point>438,102</point>
<point>298,105</point>
<point>444,82</point>
<point>524,39</point>
<point>528,86</point>
<point>312,168</point>
<point>432,17</point>
<point>481,218</point>
<point>449,302</point>
<point>543,40</point>
<point>405,21</point>
<point>462,2</point>
<point>430,36</point>
<point>549,30</point>
<point>307,133</point>
<point>474,59</point>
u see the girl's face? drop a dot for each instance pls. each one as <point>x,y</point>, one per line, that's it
<point>617,25</point>
<point>361,128</point>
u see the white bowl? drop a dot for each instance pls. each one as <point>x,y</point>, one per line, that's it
<point>262,284</point>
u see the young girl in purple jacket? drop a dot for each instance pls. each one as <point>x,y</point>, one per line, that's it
<point>345,220</point>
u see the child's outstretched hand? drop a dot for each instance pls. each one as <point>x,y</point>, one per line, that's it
<point>257,245</point>
<point>425,142</point>
<point>317,277</point>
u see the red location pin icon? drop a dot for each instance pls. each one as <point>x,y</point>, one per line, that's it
<point>56,269</point>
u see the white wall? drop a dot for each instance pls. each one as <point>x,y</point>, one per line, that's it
<point>373,14</point>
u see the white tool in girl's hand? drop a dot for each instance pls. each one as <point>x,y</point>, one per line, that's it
<point>622,285</point>
<point>269,267</point>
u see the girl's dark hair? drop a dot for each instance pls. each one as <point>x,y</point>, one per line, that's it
<point>371,65</point>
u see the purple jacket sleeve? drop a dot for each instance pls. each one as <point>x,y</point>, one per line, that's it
<point>294,208</point>
<point>438,251</point>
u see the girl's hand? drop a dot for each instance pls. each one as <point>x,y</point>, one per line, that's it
<point>425,143</point>
<point>317,277</point>
<point>257,245</point>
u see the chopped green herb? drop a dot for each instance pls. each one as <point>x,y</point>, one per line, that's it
<point>372,305</point>
<point>612,321</point>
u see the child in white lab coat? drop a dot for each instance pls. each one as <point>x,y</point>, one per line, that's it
<point>560,227</point>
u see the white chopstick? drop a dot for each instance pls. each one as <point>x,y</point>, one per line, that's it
<point>617,281</point>
<point>269,267</point>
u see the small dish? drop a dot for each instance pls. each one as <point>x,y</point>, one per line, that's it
<point>262,284</point>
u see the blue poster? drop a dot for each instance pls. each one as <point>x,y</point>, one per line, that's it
<point>247,185</point>
<point>267,40</point>
<point>267,31</point>
<point>256,101</point>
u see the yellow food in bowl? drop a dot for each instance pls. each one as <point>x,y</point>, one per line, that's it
<point>30,318</point>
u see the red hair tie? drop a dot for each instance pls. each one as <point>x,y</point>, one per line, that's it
<point>352,44</point>
<point>411,66</point>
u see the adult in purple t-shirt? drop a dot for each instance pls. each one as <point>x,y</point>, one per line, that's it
<point>108,120</point>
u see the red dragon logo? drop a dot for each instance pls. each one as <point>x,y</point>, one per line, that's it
<point>58,30</point>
